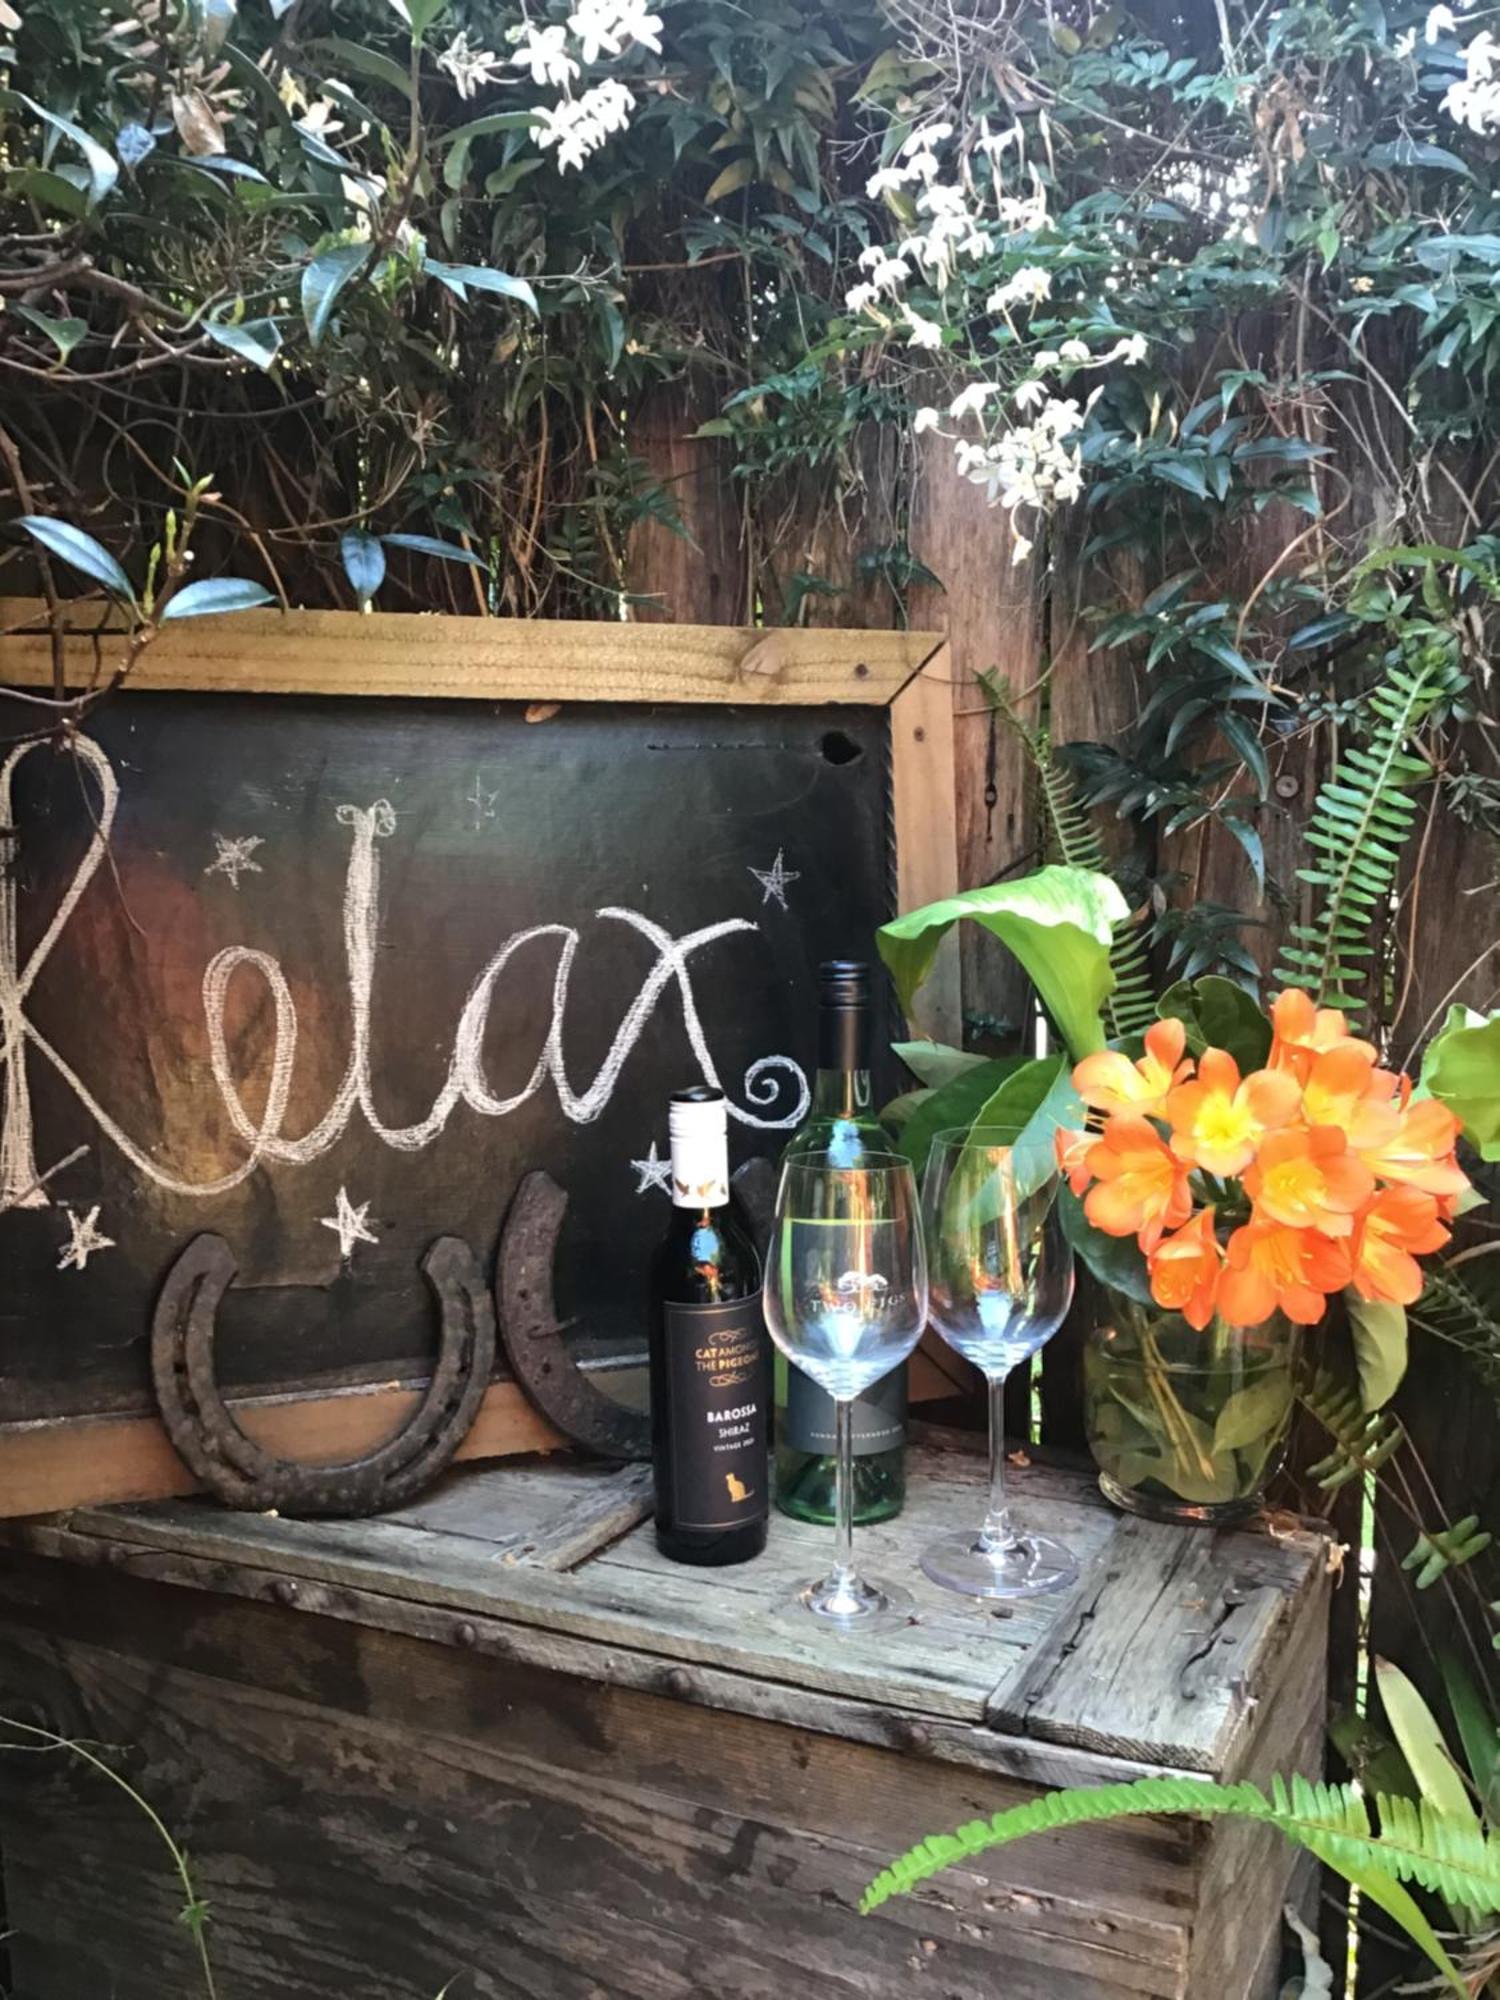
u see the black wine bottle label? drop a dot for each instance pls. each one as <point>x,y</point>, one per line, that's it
<point>879,1415</point>
<point>718,1383</point>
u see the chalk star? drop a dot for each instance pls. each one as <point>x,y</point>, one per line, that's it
<point>232,857</point>
<point>482,800</point>
<point>776,880</point>
<point>652,1172</point>
<point>350,1224</point>
<point>86,1237</point>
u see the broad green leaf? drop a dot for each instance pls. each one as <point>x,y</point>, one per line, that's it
<point>495,121</point>
<point>323,280</point>
<point>1028,1107</point>
<point>1378,1330</point>
<point>1115,1261</point>
<point>1478,1730</point>
<point>64,334</point>
<point>73,546</point>
<point>935,1063</point>
<point>429,545</point>
<point>1254,1413</point>
<point>215,596</point>
<point>364,563</point>
<point>1416,1729</point>
<point>1059,923</point>
<point>459,278</point>
<point>103,167</point>
<point>739,173</point>
<point>898,1112</point>
<point>254,340</point>
<point>1462,1069</point>
<point>955,1104</point>
<point>1219,1015</point>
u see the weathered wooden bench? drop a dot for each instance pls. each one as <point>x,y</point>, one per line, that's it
<point>494,1745</point>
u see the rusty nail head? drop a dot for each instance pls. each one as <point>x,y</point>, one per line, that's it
<point>284,1590</point>
<point>465,1634</point>
<point>861,672</point>
<point>919,735</point>
<point>678,1681</point>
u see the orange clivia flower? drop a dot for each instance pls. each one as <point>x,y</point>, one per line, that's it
<point>1074,1150</point>
<point>1270,1268</point>
<point>1140,1189</point>
<point>1307,1178</point>
<point>1111,1082</point>
<point>1344,1088</point>
<point>1400,1225</point>
<point>1419,1152</point>
<point>1219,1121</point>
<point>1185,1270</point>
<point>1303,1031</point>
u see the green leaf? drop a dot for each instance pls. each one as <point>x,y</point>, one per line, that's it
<point>103,167</point>
<point>1219,1015</point>
<point>362,61</point>
<point>935,1063</point>
<point>73,546</point>
<point>64,334</point>
<point>215,596</point>
<point>323,280</point>
<point>739,173</point>
<point>429,545</point>
<point>495,121</point>
<point>1027,1108</point>
<point>1378,1331</point>
<point>1477,1728</point>
<point>1405,152</point>
<point>1416,1730</point>
<point>1462,1068</point>
<point>957,1103</point>
<point>1115,1261</point>
<point>255,340</point>
<point>1059,923</point>
<point>364,563</point>
<point>1250,1415</point>
<point>460,277</point>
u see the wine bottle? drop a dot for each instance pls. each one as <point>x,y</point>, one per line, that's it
<point>842,1122</point>
<point>710,1355</point>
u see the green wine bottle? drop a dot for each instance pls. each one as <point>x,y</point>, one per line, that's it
<point>841,1121</point>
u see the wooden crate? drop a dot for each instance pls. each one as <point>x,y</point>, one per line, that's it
<point>496,1740</point>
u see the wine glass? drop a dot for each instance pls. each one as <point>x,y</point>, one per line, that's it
<point>1002,1282</point>
<point>846,1301</point>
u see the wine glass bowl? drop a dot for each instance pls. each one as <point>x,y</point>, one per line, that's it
<point>846,1301</point>
<point>1001,1282</point>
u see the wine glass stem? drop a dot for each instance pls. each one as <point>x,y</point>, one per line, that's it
<point>843,1492</point>
<point>997,1534</point>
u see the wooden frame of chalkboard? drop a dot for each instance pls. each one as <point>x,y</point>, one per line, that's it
<point>53,1462</point>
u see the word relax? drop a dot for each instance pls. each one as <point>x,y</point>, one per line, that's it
<point>767,1082</point>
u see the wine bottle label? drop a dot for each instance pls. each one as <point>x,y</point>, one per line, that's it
<point>879,1415</point>
<point>718,1388</point>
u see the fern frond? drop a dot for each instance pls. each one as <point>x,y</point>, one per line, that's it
<point>1456,1306</point>
<point>1410,1842</point>
<point>1437,1550</point>
<point>1362,1440</point>
<point>1362,818</point>
<point>1072,840</point>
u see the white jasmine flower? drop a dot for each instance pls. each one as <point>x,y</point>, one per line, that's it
<point>926,419</point>
<point>544,51</point>
<point>608,27</point>
<point>1132,350</point>
<point>579,126</point>
<point>469,66</point>
<point>1439,21</point>
<point>1020,549</point>
<point>993,144</point>
<point>921,332</point>
<point>1077,352</point>
<point>885,180</point>
<point>1404,45</point>
<point>970,402</point>
<point>1028,286</point>
<point>888,274</point>
<point>1029,394</point>
<point>858,297</point>
<point>924,138</point>
<point>1362,284</point>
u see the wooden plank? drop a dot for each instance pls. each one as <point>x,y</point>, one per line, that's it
<point>60,1462</point>
<point>922,789</point>
<point>379,1819</point>
<point>1166,1644</point>
<point>487,659</point>
<point>701,575</point>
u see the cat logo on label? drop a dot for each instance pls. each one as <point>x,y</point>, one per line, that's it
<point>738,1490</point>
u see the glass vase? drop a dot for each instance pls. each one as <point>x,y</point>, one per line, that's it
<point>1186,1425</point>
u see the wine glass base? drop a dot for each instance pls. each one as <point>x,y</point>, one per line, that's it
<point>852,1606</point>
<point>1035,1564</point>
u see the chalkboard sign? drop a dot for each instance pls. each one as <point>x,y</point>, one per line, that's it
<point>327,973</point>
